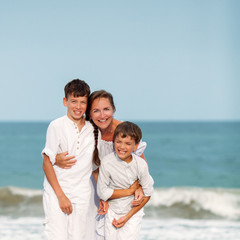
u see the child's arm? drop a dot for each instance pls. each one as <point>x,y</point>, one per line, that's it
<point>122,220</point>
<point>146,182</point>
<point>117,193</point>
<point>64,202</point>
<point>106,193</point>
<point>66,162</point>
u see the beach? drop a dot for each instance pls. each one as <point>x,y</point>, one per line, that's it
<point>195,167</point>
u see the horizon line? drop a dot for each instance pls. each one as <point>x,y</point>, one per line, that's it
<point>134,120</point>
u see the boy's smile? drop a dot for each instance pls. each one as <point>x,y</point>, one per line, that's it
<point>76,107</point>
<point>124,147</point>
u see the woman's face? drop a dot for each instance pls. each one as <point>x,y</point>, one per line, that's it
<point>102,113</point>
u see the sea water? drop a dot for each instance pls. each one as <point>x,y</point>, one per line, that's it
<point>195,166</point>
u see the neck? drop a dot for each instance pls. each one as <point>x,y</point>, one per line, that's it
<point>107,133</point>
<point>108,130</point>
<point>128,160</point>
<point>79,122</point>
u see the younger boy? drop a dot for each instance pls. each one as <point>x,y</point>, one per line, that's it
<point>67,191</point>
<point>119,170</point>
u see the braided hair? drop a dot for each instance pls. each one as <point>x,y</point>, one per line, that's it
<point>96,159</point>
<point>92,97</point>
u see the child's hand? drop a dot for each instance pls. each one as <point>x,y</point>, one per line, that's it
<point>103,207</point>
<point>64,161</point>
<point>120,222</point>
<point>138,198</point>
<point>65,204</point>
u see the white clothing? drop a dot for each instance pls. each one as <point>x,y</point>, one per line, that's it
<point>115,173</point>
<point>59,225</point>
<point>129,231</point>
<point>63,135</point>
<point>97,231</point>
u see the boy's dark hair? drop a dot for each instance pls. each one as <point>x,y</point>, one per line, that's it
<point>78,88</point>
<point>125,129</point>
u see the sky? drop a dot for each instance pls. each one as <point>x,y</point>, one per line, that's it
<point>163,60</point>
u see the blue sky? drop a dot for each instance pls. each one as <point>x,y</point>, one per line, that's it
<point>161,60</point>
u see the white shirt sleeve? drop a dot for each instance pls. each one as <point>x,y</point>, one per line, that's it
<point>141,147</point>
<point>103,190</point>
<point>52,143</point>
<point>146,180</point>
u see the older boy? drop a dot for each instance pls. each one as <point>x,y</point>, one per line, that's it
<point>119,170</point>
<point>67,191</point>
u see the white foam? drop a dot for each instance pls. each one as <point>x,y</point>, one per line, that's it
<point>25,191</point>
<point>222,202</point>
<point>21,228</point>
<point>181,229</point>
<point>152,229</point>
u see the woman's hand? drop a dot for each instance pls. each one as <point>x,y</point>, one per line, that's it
<point>64,161</point>
<point>103,207</point>
<point>138,197</point>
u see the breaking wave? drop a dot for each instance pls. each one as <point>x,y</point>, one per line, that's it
<point>195,203</point>
<point>187,203</point>
<point>17,202</point>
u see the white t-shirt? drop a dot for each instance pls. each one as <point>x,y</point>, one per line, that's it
<point>63,135</point>
<point>115,173</point>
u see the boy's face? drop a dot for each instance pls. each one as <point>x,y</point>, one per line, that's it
<point>124,147</point>
<point>76,107</point>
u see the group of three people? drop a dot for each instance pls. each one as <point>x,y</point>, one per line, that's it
<point>73,143</point>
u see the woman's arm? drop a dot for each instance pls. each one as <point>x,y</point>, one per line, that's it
<point>95,174</point>
<point>143,157</point>
<point>138,197</point>
<point>64,161</point>
<point>119,193</point>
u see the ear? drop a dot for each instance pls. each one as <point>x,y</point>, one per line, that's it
<point>64,101</point>
<point>136,146</point>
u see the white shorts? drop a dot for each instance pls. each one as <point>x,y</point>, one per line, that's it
<point>129,231</point>
<point>59,225</point>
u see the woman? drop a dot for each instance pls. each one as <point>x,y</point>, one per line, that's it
<point>100,112</point>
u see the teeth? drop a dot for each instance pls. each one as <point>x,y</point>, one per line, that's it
<point>122,152</point>
<point>102,121</point>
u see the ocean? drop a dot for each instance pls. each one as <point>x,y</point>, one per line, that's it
<point>195,166</point>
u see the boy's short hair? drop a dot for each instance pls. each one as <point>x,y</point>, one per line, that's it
<point>77,88</point>
<point>125,129</point>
